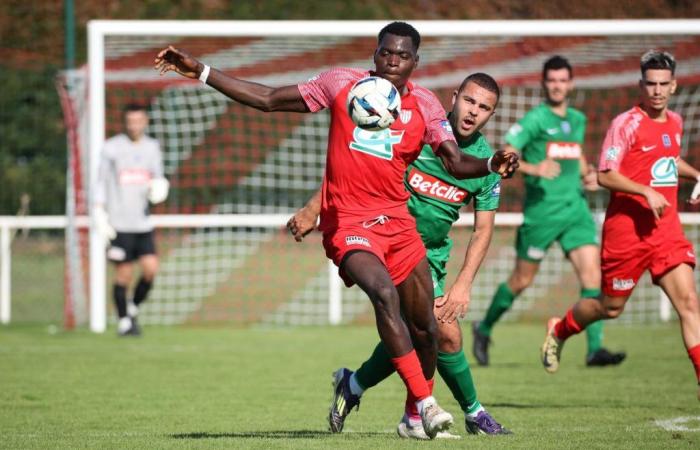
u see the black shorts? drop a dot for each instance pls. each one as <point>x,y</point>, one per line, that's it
<point>127,247</point>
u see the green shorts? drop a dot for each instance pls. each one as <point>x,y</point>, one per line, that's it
<point>570,224</point>
<point>437,260</point>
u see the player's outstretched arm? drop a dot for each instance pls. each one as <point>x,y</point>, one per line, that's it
<point>304,220</point>
<point>258,96</point>
<point>460,165</point>
<point>455,302</point>
<point>687,171</point>
<point>615,181</point>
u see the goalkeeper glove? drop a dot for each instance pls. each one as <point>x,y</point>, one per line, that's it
<point>105,230</point>
<point>158,190</point>
<point>695,195</point>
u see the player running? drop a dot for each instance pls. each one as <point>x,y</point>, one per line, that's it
<point>367,230</point>
<point>640,164</point>
<point>550,138</point>
<point>436,198</point>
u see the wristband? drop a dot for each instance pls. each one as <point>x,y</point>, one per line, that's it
<point>488,164</point>
<point>205,74</point>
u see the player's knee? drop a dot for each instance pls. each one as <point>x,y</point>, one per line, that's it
<point>687,304</point>
<point>518,282</point>
<point>448,343</point>
<point>612,311</point>
<point>384,297</point>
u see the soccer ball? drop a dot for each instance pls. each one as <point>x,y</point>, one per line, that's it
<point>374,103</point>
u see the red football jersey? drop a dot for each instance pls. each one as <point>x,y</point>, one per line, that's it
<point>645,151</point>
<point>365,169</point>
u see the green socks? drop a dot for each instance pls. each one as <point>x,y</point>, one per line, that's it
<point>594,336</point>
<point>594,331</point>
<point>500,303</point>
<point>454,369</point>
<point>375,369</point>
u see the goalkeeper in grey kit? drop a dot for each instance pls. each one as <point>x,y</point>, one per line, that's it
<point>130,178</point>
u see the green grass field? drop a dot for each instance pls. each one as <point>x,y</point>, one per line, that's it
<point>185,387</point>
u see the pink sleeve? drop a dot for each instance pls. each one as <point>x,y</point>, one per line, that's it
<point>320,91</point>
<point>677,118</point>
<point>618,140</point>
<point>437,127</point>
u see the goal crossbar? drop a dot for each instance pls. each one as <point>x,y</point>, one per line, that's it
<point>98,30</point>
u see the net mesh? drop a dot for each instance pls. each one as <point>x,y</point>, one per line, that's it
<point>222,157</point>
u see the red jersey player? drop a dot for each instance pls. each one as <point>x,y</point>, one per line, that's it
<point>640,163</point>
<point>367,230</point>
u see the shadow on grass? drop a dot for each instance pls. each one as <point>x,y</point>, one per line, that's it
<point>274,434</point>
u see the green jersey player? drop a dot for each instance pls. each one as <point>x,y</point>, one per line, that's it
<point>435,200</point>
<point>550,138</point>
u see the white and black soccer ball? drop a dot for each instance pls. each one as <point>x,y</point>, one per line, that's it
<point>374,103</point>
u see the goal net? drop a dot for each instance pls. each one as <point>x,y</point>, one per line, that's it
<point>237,173</point>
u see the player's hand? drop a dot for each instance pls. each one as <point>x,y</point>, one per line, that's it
<point>176,60</point>
<point>590,180</point>
<point>548,169</point>
<point>453,304</point>
<point>505,163</point>
<point>657,202</point>
<point>104,228</point>
<point>158,190</point>
<point>695,195</point>
<point>302,223</point>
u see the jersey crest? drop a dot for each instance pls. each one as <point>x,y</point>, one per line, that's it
<point>379,144</point>
<point>666,139</point>
<point>566,127</point>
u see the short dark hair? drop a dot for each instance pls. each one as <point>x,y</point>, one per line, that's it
<point>131,107</point>
<point>400,29</point>
<point>557,62</point>
<point>659,60</point>
<point>483,80</point>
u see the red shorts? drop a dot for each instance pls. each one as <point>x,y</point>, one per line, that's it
<point>395,242</point>
<point>622,267</point>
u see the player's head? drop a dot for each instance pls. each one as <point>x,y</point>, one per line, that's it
<point>658,81</point>
<point>557,79</point>
<point>135,121</point>
<point>473,104</point>
<point>397,53</point>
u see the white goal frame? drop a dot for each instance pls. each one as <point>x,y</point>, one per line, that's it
<point>99,29</point>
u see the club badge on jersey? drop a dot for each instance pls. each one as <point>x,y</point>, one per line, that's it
<point>566,127</point>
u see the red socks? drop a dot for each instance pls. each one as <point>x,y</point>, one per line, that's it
<point>694,355</point>
<point>567,326</point>
<point>411,408</point>
<point>409,369</point>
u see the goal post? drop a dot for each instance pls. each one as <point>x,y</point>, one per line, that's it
<point>204,128</point>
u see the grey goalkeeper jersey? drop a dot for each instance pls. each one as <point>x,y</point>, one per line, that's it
<point>126,168</point>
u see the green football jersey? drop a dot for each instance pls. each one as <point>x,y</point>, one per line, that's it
<point>541,134</point>
<point>437,196</point>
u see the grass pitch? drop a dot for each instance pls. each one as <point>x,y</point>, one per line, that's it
<point>184,387</point>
